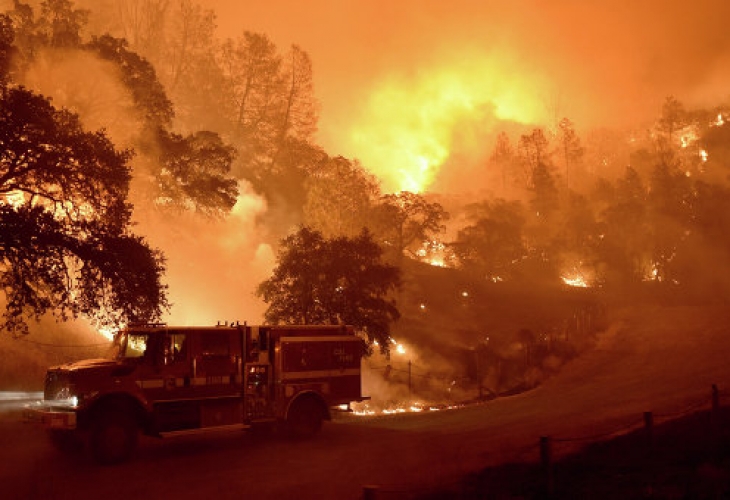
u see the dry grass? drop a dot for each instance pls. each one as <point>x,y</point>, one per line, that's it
<point>686,458</point>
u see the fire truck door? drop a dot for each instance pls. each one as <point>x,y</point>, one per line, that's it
<point>217,380</point>
<point>163,369</point>
<point>172,407</point>
<point>258,392</point>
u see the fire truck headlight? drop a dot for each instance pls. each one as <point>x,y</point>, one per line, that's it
<point>78,399</point>
<point>68,397</point>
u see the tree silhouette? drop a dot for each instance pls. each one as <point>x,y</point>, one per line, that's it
<point>625,246</point>
<point>503,157</point>
<point>404,219</point>
<point>544,191</point>
<point>533,151</point>
<point>570,148</point>
<point>193,173</point>
<point>494,239</point>
<point>340,196</point>
<point>332,281</point>
<point>65,244</point>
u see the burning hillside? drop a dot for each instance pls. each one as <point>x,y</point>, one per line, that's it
<point>462,340</point>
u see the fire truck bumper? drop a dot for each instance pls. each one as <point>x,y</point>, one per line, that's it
<point>50,418</point>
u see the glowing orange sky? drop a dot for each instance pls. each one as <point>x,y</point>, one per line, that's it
<point>377,65</point>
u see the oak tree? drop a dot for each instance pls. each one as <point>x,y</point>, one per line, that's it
<point>65,242</point>
<point>570,148</point>
<point>191,171</point>
<point>406,219</point>
<point>493,241</point>
<point>340,196</point>
<point>332,281</point>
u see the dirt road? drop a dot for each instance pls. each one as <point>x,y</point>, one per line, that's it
<point>337,464</point>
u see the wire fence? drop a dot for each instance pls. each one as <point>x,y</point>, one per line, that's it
<point>413,371</point>
<point>615,432</point>
<point>40,354</point>
<point>72,346</point>
<point>544,450</point>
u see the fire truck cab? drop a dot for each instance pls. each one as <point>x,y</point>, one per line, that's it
<point>164,381</point>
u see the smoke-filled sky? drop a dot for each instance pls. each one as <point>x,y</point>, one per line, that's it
<point>405,84</point>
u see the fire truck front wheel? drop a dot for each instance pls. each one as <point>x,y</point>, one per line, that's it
<point>304,419</point>
<point>113,437</point>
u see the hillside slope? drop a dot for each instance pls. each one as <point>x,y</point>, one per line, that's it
<point>657,359</point>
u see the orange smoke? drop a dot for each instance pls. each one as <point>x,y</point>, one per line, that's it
<point>213,266</point>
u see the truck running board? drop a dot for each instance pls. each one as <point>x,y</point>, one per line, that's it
<point>204,430</point>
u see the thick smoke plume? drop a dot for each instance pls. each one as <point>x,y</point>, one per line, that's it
<point>213,265</point>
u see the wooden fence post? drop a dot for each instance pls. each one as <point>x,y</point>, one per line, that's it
<point>369,492</point>
<point>649,428</point>
<point>546,462</point>
<point>715,412</point>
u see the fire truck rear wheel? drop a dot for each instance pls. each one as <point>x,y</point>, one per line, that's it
<point>113,437</point>
<point>304,419</point>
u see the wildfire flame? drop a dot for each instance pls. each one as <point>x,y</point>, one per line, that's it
<point>576,281</point>
<point>434,253</point>
<point>368,410</point>
<point>651,273</point>
<point>410,126</point>
<point>107,333</point>
<point>577,276</point>
<point>399,348</point>
<point>13,198</point>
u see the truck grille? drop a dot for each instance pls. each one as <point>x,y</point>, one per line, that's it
<point>56,383</point>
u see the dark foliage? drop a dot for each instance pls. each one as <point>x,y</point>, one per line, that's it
<point>139,77</point>
<point>194,172</point>
<point>332,281</point>
<point>65,245</point>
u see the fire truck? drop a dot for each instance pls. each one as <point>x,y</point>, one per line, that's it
<point>165,381</point>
